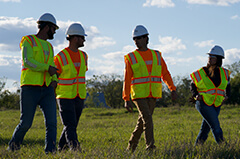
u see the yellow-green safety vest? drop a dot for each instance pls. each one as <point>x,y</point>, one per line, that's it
<point>210,93</point>
<point>71,83</point>
<point>144,82</point>
<point>29,77</point>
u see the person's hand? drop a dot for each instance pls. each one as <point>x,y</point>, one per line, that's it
<point>53,84</point>
<point>52,70</point>
<point>225,98</point>
<point>199,97</point>
<point>128,106</point>
<point>174,95</point>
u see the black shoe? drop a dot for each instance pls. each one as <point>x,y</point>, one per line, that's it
<point>13,147</point>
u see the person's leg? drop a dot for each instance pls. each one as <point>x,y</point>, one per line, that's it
<point>145,124</point>
<point>149,135</point>
<point>79,105</point>
<point>203,133</point>
<point>28,102</point>
<point>136,134</point>
<point>69,120</point>
<point>210,115</point>
<point>48,107</point>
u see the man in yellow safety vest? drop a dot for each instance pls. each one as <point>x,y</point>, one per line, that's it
<point>38,80</point>
<point>145,69</point>
<point>71,89</point>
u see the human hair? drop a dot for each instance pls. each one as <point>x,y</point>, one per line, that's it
<point>211,69</point>
<point>69,37</point>
<point>42,24</point>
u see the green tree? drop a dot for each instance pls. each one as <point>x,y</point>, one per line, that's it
<point>234,82</point>
<point>110,85</point>
<point>182,84</point>
<point>9,100</point>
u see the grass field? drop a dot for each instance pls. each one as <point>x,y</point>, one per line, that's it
<point>104,133</point>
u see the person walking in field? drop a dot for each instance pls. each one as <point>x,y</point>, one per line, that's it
<point>38,80</point>
<point>71,89</point>
<point>210,87</point>
<point>144,71</point>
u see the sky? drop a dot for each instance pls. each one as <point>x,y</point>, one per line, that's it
<point>183,30</point>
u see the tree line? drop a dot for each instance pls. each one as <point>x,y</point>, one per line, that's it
<point>111,86</point>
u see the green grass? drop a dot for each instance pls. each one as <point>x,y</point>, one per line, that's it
<point>104,133</point>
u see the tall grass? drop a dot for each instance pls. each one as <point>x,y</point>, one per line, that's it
<point>104,133</point>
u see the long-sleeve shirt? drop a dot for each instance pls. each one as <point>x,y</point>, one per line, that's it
<point>31,63</point>
<point>216,79</point>
<point>128,74</point>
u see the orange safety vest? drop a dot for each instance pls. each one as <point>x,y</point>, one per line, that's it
<point>210,93</point>
<point>71,82</point>
<point>144,82</point>
<point>29,77</point>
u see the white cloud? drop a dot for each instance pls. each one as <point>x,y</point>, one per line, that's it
<point>169,44</point>
<point>10,0</point>
<point>204,43</point>
<point>6,60</point>
<point>177,60</point>
<point>14,28</point>
<point>232,55</point>
<point>235,17</point>
<point>112,62</point>
<point>214,2</point>
<point>159,3</point>
<point>97,42</point>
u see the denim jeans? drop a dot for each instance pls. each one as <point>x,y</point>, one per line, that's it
<point>30,97</point>
<point>70,111</point>
<point>210,121</point>
<point>144,124</point>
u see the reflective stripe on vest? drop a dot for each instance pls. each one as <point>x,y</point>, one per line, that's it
<point>133,58</point>
<point>197,75</point>
<point>211,94</point>
<point>140,80</point>
<point>71,81</point>
<point>144,83</point>
<point>63,58</point>
<point>28,76</point>
<point>214,91</point>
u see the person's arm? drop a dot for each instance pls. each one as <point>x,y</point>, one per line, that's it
<point>57,64</point>
<point>29,61</point>
<point>127,81</point>
<point>166,76</point>
<point>193,89</point>
<point>127,86</point>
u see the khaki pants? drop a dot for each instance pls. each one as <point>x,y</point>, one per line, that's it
<point>145,123</point>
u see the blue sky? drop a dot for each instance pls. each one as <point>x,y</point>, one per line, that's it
<point>183,30</point>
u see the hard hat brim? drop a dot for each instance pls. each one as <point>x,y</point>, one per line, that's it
<point>57,27</point>
<point>215,55</point>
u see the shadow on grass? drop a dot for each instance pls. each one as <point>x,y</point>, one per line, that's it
<point>5,141</point>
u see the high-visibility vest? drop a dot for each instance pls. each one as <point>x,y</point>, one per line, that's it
<point>143,82</point>
<point>29,77</point>
<point>71,83</point>
<point>210,93</point>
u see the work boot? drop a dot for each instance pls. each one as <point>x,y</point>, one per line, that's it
<point>131,147</point>
<point>13,147</point>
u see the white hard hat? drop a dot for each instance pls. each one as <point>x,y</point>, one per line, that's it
<point>75,29</point>
<point>47,17</point>
<point>139,31</point>
<point>216,50</point>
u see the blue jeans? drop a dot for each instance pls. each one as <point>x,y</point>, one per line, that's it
<point>70,111</point>
<point>30,97</point>
<point>210,121</point>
